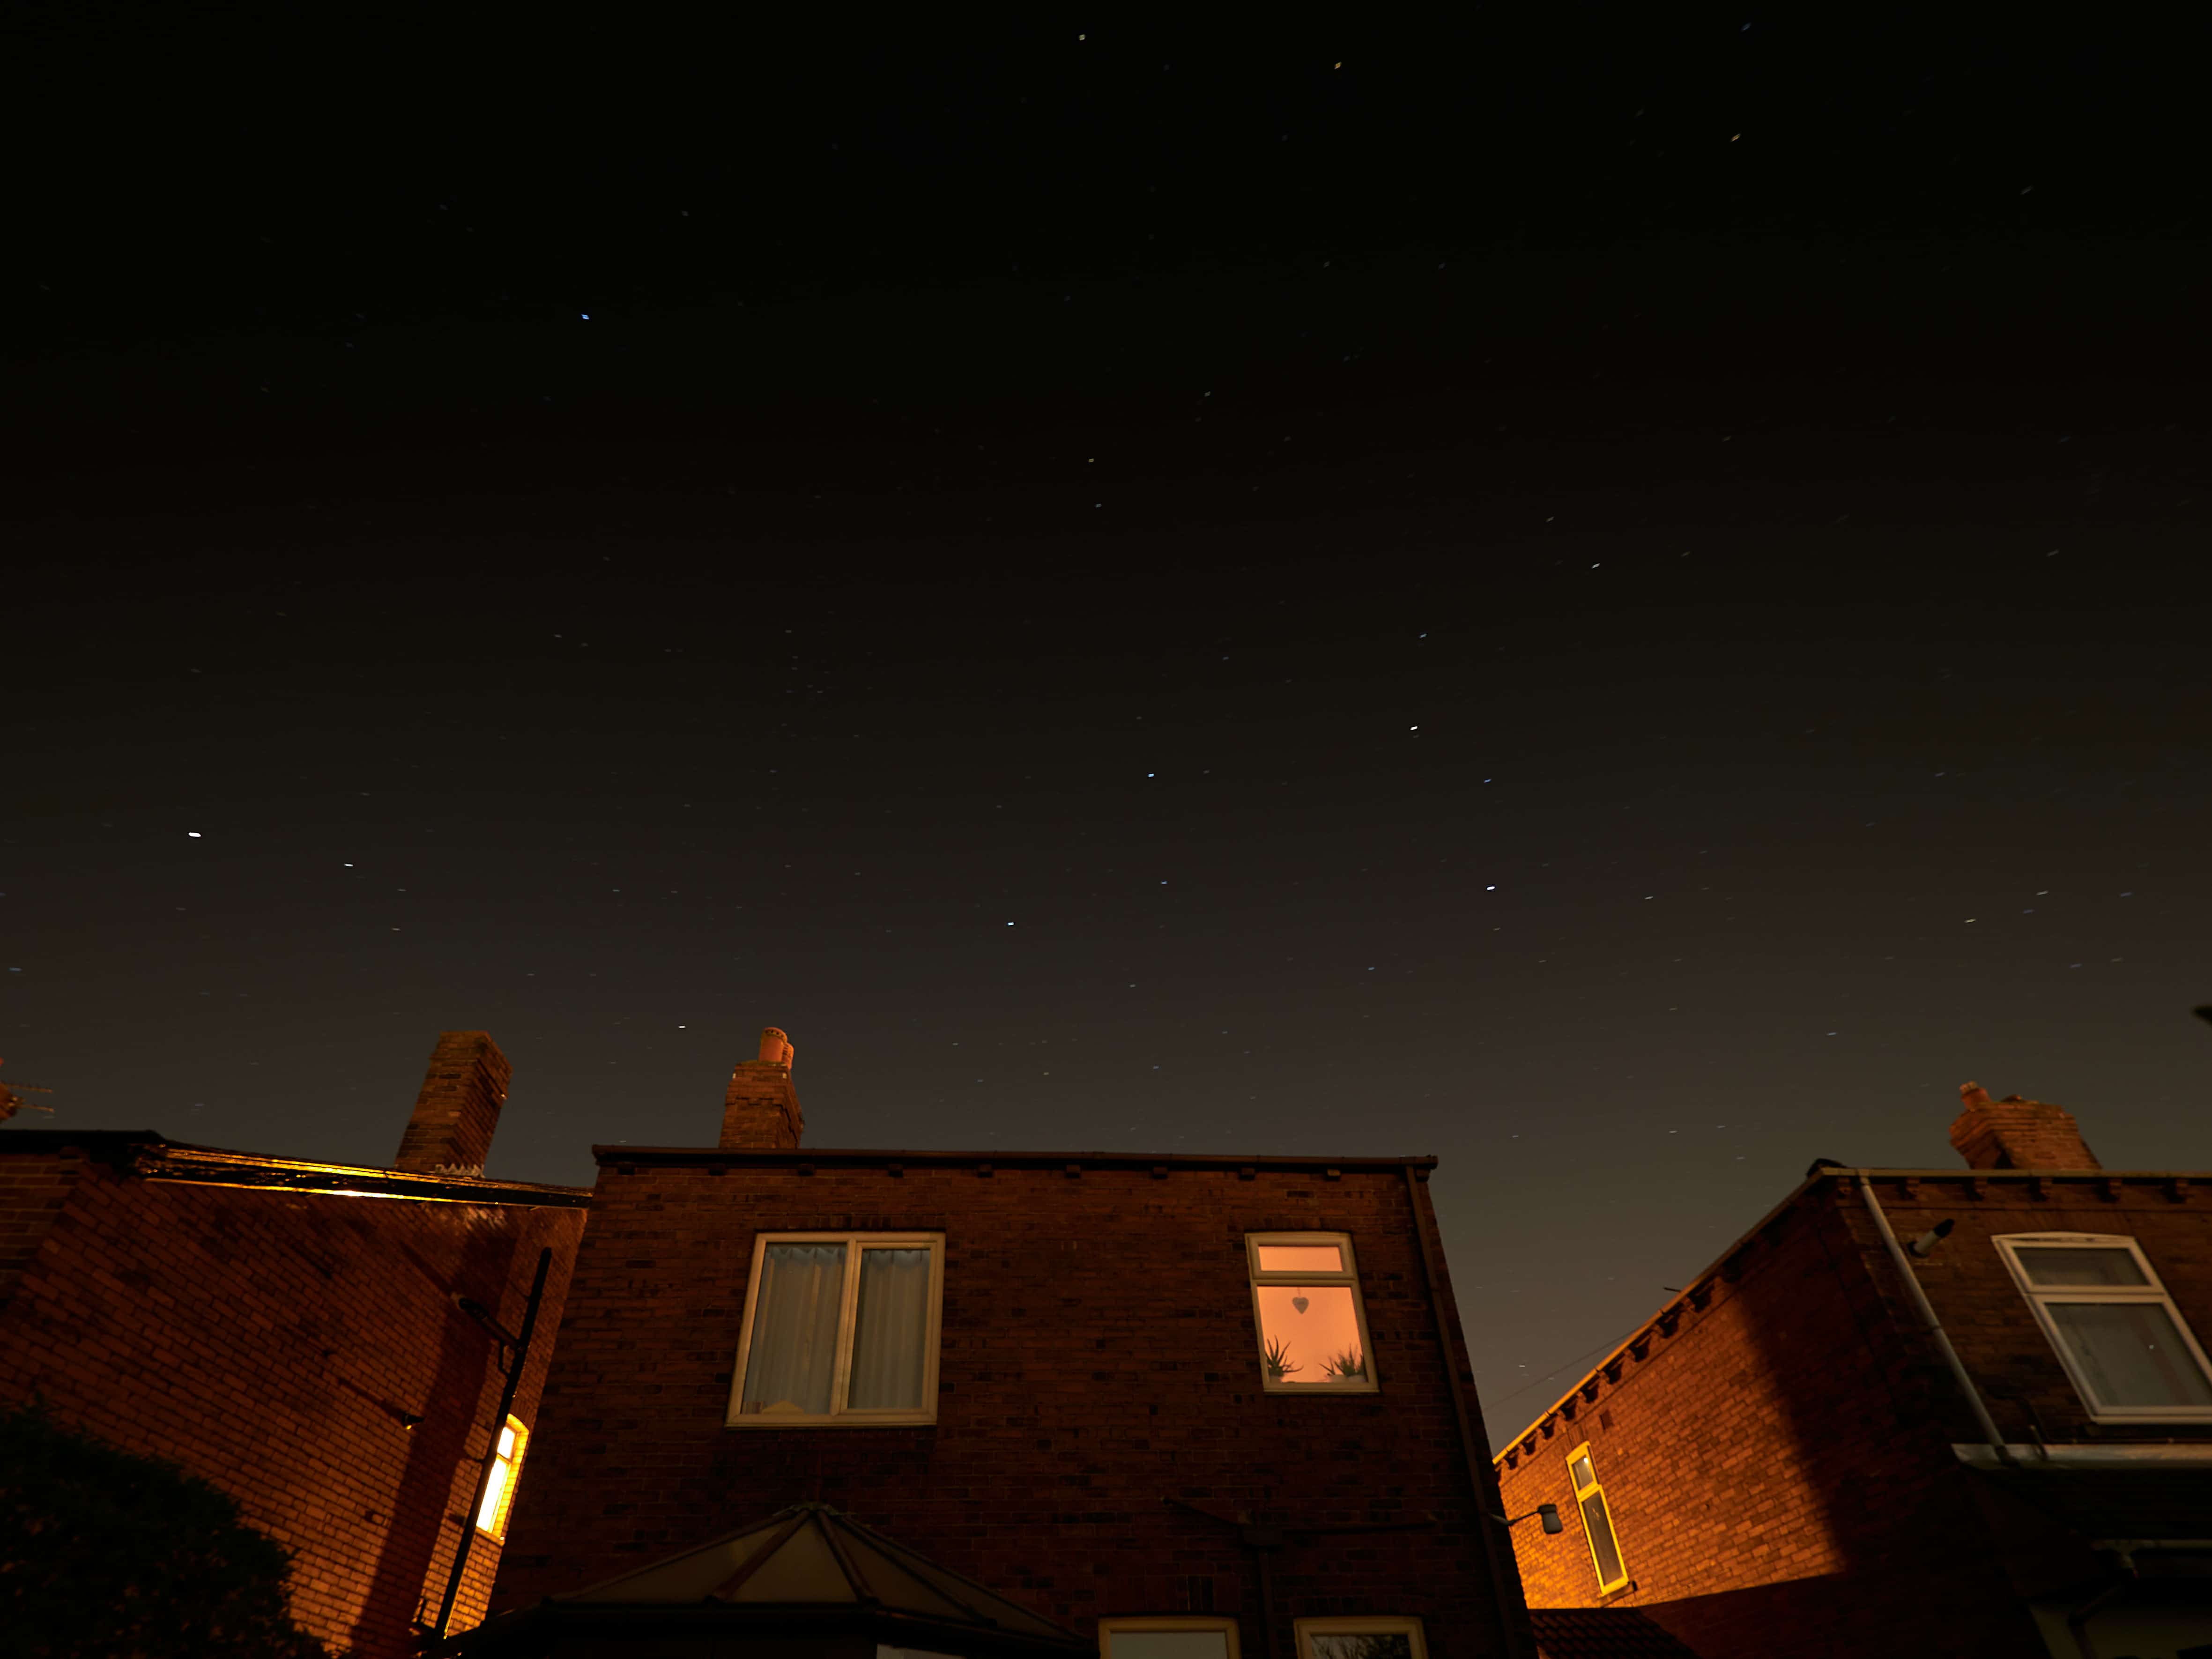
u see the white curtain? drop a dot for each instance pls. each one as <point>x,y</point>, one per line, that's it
<point>889,1331</point>
<point>795,1353</point>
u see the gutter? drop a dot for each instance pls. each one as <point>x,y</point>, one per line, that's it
<point>1935,1326</point>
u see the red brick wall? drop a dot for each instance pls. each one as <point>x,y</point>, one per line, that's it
<point>1780,1465</point>
<point>270,1342</point>
<point>1099,1357</point>
<point>34,1187</point>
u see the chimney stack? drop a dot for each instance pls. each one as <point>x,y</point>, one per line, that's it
<point>458,1108</point>
<point>2014,1133</point>
<point>762,1108</point>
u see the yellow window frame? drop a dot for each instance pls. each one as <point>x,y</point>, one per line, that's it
<point>1585,1491</point>
<point>506,1468</point>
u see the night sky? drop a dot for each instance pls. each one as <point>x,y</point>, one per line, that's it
<point>1622,600</point>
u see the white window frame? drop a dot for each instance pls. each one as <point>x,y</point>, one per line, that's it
<point>1377,1624</point>
<point>2152,1290</point>
<point>1370,1383</point>
<point>1582,1493</point>
<point>840,1415</point>
<point>1194,1621</point>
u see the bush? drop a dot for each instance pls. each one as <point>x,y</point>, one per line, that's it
<point>107,1555</point>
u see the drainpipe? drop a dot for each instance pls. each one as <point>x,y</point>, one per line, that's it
<point>1933,1326</point>
<point>491,1449</point>
<point>1478,1460</point>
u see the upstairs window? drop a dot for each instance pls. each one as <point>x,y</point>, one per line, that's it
<point>1377,1638</point>
<point>2126,1348</point>
<point>1312,1326</point>
<point>1167,1638</point>
<point>840,1328</point>
<point>498,1491</point>
<point>1597,1521</point>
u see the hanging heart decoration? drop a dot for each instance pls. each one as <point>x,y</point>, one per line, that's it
<point>1299,1303</point>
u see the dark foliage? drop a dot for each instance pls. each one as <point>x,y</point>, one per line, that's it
<point>105,1553</point>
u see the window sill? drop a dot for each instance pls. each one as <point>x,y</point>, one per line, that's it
<point>1265,1387</point>
<point>842,1420</point>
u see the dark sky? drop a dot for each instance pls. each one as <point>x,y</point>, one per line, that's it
<point>1620,599</point>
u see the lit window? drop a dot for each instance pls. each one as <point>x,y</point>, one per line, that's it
<point>2126,1348</point>
<point>1305,1302</point>
<point>840,1327</point>
<point>1597,1522</point>
<point>1361,1639</point>
<point>499,1493</point>
<point>1167,1638</point>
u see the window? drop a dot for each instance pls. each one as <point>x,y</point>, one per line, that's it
<point>1361,1639</point>
<point>840,1327</point>
<point>1167,1638</point>
<point>498,1491</point>
<point>1597,1522</point>
<point>1305,1302</point>
<point>2126,1348</point>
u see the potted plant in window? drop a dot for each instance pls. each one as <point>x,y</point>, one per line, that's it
<point>1345,1366</point>
<point>1279,1359</point>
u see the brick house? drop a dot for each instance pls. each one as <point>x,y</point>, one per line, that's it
<point>1954,1413</point>
<point>1169,1406</point>
<point>326,1344</point>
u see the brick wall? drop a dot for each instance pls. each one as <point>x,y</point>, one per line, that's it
<point>1099,1357</point>
<point>34,1189</point>
<point>274,1343</point>
<point>1777,1456</point>
<point>1990,1323</point>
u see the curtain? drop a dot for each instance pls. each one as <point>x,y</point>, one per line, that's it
<point>890,1330</point>
<point>795,1351</point>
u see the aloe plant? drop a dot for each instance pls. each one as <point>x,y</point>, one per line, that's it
<point>1278,1358</point>
<point>1345,1366</point>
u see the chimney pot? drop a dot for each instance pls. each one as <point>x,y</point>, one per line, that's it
<point>458,1106</point>
<point>761,1109</point>
<point>2017,1134</point>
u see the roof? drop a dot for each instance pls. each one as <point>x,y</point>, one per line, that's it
<point>808,1157</point>
<point>1601,1633</point>
<point>1699,1290</point>
<point>153,1157</point>
<point>809,1565</point>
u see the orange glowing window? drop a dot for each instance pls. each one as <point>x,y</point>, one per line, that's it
<point>498,1492</point>
<point>1312,1325</point>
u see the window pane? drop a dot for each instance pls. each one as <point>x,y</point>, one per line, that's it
<point>495,1489</point>
<point>507,1443</point>
<point>1580,1468</point>
<point>1301,1258</point>
<point>2089,1265</point>
<point>2130,1353</point>
<point>1168,1644</point>
<point>890,1331</point>
<point>1378,1645</point>
<point>794,1350</point>
<point>1599,1525</point>
<point>1311,1333</point>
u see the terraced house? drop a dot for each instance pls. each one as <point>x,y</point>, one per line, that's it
<point>1954,1413</point>
<point>986,1403</point>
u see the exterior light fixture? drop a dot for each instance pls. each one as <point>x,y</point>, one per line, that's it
<point>1926,1244</point>
<point>1547,1513</point>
